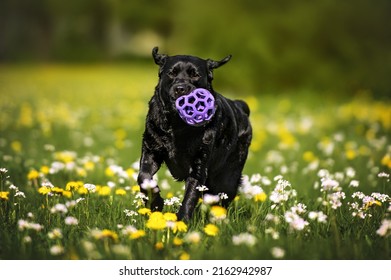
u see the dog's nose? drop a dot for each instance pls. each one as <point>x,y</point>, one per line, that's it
<point>180,89</point>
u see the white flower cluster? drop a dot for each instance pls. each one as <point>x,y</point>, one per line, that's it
<point>173,201</point>
<point>244,238</point>
<point>385,228</point>
<point>210,199</point>
<point>366,202</point>
<point>56,233</point>
<point>18,193</point>
<point>23,225</point>
<point>282,192</point>
<point>330,185</point>
<point>140,199</point>
<point>90,187</point>
<point>56,250</point>
<point>71,221</point>
<point>320,217</point>
<point>249,190</point>
<point>149,185</point>
<point>334,199</point>
<point>130,213</point>
<point>277,252</point>
<point>293,218</point>
<point>59,208</point>
<point>120,172</point>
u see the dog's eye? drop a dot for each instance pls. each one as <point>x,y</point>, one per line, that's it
<point>173,73</point>
<point>194,74</point>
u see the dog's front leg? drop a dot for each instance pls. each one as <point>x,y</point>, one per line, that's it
<point>197,177</point>
<point>149,165</point>
<point>190,200</point>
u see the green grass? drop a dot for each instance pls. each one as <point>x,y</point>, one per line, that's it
<point>65,126</point>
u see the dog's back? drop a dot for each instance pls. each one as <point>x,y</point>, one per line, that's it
<point>243,105</point>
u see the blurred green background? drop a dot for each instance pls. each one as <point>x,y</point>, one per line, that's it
<point>325,45</point>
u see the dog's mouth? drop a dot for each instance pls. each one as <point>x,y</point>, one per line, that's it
<point>180,89</point>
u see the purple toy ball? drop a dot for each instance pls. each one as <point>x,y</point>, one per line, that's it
<point>197,107</point>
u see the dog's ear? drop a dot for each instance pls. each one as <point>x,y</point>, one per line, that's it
<point>212,64</point>
<point>160,59</point>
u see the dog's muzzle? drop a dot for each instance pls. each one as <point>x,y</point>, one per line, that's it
<point>181,89</point>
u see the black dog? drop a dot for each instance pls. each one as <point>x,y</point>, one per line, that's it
<point>211,155</point>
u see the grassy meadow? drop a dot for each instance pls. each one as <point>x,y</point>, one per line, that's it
<point>316,184</point>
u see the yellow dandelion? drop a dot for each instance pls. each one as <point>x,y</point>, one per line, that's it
<point>135,188</point>
<point>169,195</point>
<point>350,150</point>
<point>184,256</point>
<point>56,190</point>
<point>67,194</point>
<point>287,139</point>
<point>65,156</point>
<point>144,211</point>
<point>74,186</point>
<point>130,172</point>
<point>309,156</point>
<point>109,172</point>
<point>81,172</point>
<point>106,233</point>
<point>350,154</point>
<point>179,226</point>
<point>4,195</point>
<point>159,246</point>
<point>33,174</point>
<point>237,198</point>
<point>103,190</point>
<point>386,160</point>
<point>211,230</point>
<point>119,144</point>
<point>26,115</point>
<point>44,190</point>
<point>44,169</point>
<point>156,221</point>
<point>120,134</point>
<point>137,234</point>
<point>252,101</point>
<point>372,203</point>
<point>177,241</point>
<point>218,212</point>
<point>89,165</point>
<point>16,146</point>
<point>170,217</point>
<point>82,190</point>
<point>120,191</point>
<point>261,197</point>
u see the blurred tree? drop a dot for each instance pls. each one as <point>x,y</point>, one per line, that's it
<point>276,45</point>
<point>324,44</point>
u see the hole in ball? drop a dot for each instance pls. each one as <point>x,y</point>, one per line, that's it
<point>191,99</point>
<point>181,102</point>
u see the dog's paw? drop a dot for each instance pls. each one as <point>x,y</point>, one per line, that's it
<point>182,216</point>
<point>157,203</point>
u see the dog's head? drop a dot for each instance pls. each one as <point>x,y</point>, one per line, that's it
<point>180,74</point>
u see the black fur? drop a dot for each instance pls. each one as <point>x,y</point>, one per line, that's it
<point>213,154</point>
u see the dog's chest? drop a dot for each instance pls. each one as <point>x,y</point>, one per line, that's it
<point>181,150</point>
